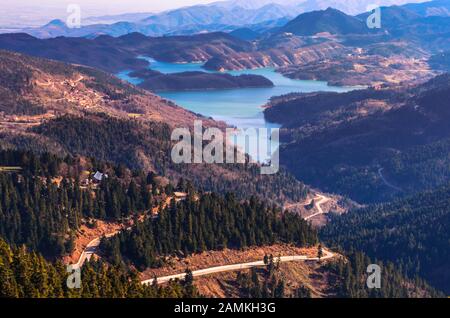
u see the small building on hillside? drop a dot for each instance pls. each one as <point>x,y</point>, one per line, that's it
<point>98,177</point>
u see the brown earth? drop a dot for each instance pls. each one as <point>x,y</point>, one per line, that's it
<point>335,204</point>
<point>311,275</point>
<point>58,88</point>
<point>225,257</point>
<point>363,70</point>
<point>86,234</point>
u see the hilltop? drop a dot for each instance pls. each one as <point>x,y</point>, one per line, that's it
<point>330,21</point>
<point>69,109</point>
<point>371,145</point>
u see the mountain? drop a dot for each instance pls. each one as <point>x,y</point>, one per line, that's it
<point>118,54</point>
<point>351,7</point>
<point>38,87</point>
<point>394,16</point>
<point>57,28</point>
<point>441,61</point>
<point>48,106</point>
<point>111,19</point>
<point>245,34</point>
<point>209,14</point>
<point>218,16</point>
<point>430,8</point>
<point>327,21</point>
<point>413,233</point>
<point>371,145</point>
<point>188,20</point>
<point>254,4</point>
<point>219,51</point>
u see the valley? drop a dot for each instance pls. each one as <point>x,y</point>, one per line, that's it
<point>88,175</point>
<point>238,107</point>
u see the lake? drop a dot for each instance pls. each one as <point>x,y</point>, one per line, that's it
<point>242,107</point>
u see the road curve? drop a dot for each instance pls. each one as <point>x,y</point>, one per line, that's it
<point>90,250</point>
<point>238,267</point>
<point>322,200</point>
<point>93,245</point>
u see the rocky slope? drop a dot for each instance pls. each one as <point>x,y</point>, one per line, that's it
<point>42,89</point>
<point>277,57</point>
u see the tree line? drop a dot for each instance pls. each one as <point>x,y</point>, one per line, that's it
<point>413,233</point>
<point>210,223</point>
<point>350,280</point>
<point>25,274</point>
<point>44,215</point>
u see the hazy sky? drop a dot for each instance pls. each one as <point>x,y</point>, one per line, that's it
<point>37,12</point>
<point>25,13</point>
<point>106,6</point>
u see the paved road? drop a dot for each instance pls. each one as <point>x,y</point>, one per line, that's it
<point>238,267</point>
<point>93,245</point>
<point>90,250</point>
<point>322,200</point>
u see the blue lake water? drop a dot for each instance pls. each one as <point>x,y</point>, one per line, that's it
<point>242,107</point>
<point>238,107</point>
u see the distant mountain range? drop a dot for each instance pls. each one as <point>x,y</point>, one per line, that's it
<point>310,37</point>
<point>226,16</point>
<point>431,8</point>
<point>330,21</point>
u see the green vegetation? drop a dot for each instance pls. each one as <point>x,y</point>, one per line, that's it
<point>211,223</point>
<point>262,283</point>
<point>111,139</point>
<point>147,146</point>
<point>43,215</point>
<point>351,280</point>
<point>413,233</point>
<point>342,143</point>
<point>29,275</point>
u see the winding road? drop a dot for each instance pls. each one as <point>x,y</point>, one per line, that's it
<point>93,245</point>
<point>238,267</point>
<point>318,204</point>
<point>92,248</point>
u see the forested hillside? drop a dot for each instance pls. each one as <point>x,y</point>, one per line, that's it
<point>209,223</point>
<point>156,81</point>
<point>44,201</point>
<point>346,278</point>
<point>412,233</point>
<point>351,280</point>
<point>372,145</point>
<point>82,111</point>
<point>147,146</point>
<point>29,275</point>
